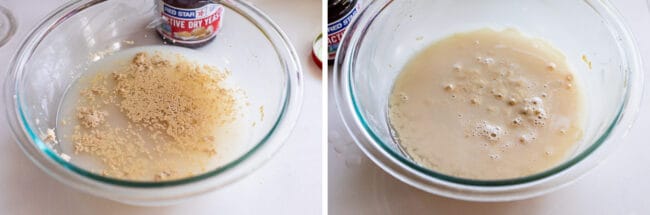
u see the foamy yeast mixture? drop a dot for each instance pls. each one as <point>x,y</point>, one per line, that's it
<point>487,105</point>
<point>150,114</point>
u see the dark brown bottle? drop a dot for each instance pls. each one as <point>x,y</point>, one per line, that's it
<point>339,15</point>
<point>189,23</point>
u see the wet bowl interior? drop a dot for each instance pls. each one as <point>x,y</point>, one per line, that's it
<point>61,49</point>
<point>389,33</point>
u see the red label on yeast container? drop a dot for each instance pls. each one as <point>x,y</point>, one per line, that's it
<point>190,25</point>
<point>335,31</point>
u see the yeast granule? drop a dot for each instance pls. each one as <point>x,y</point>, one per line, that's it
<point>171,110</point>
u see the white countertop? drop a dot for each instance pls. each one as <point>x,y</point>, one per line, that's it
<point>290,183</point>
<point>619,185</point>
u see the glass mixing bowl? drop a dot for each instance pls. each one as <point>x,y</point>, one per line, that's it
<point>388,33</point>
<point>56,52</point>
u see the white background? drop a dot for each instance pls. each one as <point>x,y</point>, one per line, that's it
<point>620,185</point>
<point>290,183</point>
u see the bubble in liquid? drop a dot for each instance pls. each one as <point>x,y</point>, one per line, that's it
<point>535,101</point>
<point>490,132</point>
<point>487,61</point>
<point>527,138</point>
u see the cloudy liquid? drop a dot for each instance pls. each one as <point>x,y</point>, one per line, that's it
<point>230,140</point>
<point>487,105</point>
